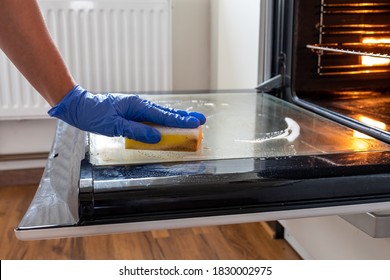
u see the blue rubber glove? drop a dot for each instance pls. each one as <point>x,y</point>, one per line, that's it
<point>120,115</point>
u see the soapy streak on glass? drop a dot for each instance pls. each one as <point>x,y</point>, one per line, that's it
<point>237,124</point>
<point>290,133</point>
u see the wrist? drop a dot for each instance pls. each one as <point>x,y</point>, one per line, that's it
<point>66,101</point>
<point>56,95</point>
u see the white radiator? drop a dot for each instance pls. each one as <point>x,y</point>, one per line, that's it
<point>109,45</point>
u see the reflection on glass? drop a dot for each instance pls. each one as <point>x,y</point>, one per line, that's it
<point>360,145</point>
<point>370,122</point>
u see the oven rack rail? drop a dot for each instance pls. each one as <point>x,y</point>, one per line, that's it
<point>356,8</point>
<point>373,50</point>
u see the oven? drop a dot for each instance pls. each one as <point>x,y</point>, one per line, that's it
<point>345,76</point>
<point>312,139</point>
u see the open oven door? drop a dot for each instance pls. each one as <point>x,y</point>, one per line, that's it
<point>261,159</point>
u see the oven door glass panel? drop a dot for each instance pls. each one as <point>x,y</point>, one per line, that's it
<point>242,125</point>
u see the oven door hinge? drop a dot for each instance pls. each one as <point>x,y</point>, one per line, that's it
<point>277,82</point>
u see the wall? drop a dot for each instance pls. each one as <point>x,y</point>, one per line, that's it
<point>234,43</point>
<point>191,44</point>
<point>215,44</point>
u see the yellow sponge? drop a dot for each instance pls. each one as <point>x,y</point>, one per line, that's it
<point>172,139</point>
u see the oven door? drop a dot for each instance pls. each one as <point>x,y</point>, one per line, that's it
<point>261,159</point>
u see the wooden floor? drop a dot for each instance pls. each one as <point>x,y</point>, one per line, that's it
<point>244,241</point>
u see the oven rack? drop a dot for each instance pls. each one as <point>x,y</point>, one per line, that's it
<point>362,49</point>
<point>355,8</point>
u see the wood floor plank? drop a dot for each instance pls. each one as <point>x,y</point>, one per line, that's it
<point>160,233</point>
<point>229,242</point>
<point>19,177</point>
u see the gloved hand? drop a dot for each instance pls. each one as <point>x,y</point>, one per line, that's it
<point>120,115</point>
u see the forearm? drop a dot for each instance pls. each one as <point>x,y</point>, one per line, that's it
<point>25,40</point>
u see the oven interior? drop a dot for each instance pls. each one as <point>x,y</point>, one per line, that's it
<point>334,59</point>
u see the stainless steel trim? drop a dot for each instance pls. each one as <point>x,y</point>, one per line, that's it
<point>271,84</point>
<point>378,71</point>
<point>375,224</point>
<point>355,8</point>
<point>56,200</point>
<point>356,11</point>
<point>362,5</point>
<point>356,32</point>
<point>322,48</point>
<point>77,231</point>
<point>265,41</point>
